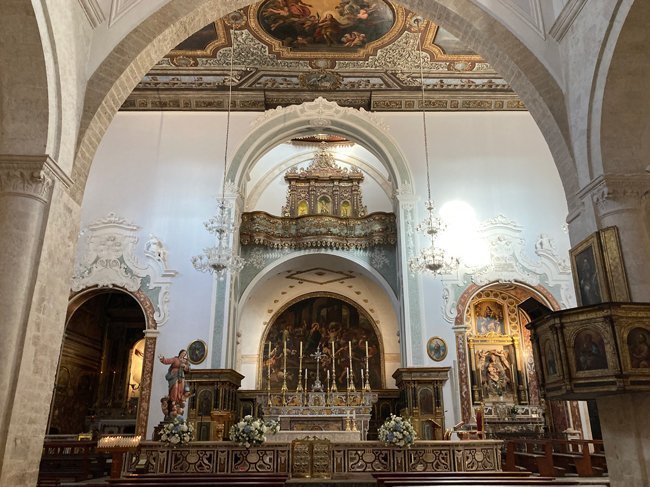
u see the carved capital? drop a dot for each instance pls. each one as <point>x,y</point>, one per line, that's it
<point>30,176</point>
<point>616,193</point>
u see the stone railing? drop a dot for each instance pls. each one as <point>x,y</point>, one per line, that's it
<point>345,458</point>
<point>313,231</point>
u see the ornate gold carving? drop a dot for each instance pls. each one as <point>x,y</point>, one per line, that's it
<point>312,231</point>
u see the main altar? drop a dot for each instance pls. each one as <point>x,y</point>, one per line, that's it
<point>338,416</point>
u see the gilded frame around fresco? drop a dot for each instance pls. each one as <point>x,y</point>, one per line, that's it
<point>589,277</point>
<point>431,352</point>
<point>614,266</point>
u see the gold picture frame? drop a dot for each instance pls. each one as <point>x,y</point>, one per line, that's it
<point>197,351</point>
<point>437,349</point>
<point>614,266</point>
<point>589,277</point>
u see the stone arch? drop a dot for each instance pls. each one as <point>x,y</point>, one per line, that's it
<point>151,332</point>
<point>621,129</point>
<point>146,44</point>
<point>280,124</point>
<point>26,113</point>
<point>339,297</point>
<point>270,295</point>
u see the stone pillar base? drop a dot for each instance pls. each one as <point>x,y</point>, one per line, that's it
<point>625,424</point>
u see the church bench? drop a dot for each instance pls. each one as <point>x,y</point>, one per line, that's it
<point>71,459</point>
<point>537,457</point>
<point>573,456</point>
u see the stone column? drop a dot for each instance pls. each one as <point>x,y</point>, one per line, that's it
<point>411,339</point>
<point>38,229</point>
<point>224,336</point>
<point>624,202</point>
<point>625,423</point>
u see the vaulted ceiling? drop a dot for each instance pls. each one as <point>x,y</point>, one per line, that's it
<point>359,53</point>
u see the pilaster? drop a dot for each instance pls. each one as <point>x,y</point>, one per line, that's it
<point>36,216</point>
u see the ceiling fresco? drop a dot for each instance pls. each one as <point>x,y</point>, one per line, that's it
<point>359,53</point>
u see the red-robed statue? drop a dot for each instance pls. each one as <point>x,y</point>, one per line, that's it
<point>175,400</point>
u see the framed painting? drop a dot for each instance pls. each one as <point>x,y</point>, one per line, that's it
<point>589,272</point>
<point>436,349</point>
<point>197,351</point>
<point>614,266</point>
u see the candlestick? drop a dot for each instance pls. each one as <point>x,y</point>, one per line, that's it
<point>333,368</point>
<point>300,367</point>
<point>366,350</point>
<point>305,380</point>
<point>351,386</point>
<point>299,387</point>
<point>328,381</point>
<point>268,377</point>
<point>284,367</point>
<point>284,374</point>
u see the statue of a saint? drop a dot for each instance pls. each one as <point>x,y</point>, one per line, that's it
<point>176,380</point>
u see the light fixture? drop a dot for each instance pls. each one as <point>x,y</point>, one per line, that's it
<point>221,259</point>
<point>432,258</point>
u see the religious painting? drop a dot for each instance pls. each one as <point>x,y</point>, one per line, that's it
<point>197,351</point>
<point>638,345</point>
<point>550,360</point>
<point>320,25</point>
<point>436,349</point>
<point>589,351</point>
<point>204,403</point>
<point>495,367</point>
<point>489,317</point>
<point>327,328</point>
<point>588,272</point>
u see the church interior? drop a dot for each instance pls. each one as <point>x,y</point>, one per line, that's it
<point>402,242</point>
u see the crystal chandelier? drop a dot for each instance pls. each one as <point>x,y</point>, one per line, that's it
<point>221,259</point>
<point>432,258</point>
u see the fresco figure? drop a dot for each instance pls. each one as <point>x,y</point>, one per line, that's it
<point>639,348</point>
<point>589,353</point>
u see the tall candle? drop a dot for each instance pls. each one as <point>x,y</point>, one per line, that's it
<point>300,366</point>
<point>350,354</point>
<point>362,376</point>
<point>347,375</point>
<point>305,380</point>
<point>328,379</point>
<point>366,350</point>
<point>284,369</point>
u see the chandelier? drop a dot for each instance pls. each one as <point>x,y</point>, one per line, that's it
<point>222,259</point>
<point>432,258</point>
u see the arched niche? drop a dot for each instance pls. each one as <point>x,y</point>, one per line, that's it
<point>148,330</point>
<point>291,278</point>
<point>324,322</point>
<point>506,328</point>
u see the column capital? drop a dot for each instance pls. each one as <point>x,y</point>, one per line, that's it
<point>612,193</point>
<point>30,175</point>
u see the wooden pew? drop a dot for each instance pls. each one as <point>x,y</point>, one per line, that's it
<point>556,458</point>
<point>536,457</point>
<point>405,479</point>
<point>71,459</point>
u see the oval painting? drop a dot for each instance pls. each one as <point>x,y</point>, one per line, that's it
<point>324,25</point>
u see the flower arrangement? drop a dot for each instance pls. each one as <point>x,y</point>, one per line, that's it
<point>251,431</point>
<point>177,432</point>
<point>397,431</point>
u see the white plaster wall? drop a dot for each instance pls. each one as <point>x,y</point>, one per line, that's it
<point>163,172</point>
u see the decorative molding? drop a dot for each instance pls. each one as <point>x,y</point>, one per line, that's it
<point>511,262</point>
<point>566,18</point>
<point>319,111</point>
<point>532,18</point>
<point>31,176</point>
<point>119,8</point>
<point>617,192</point>
<point>94,13</point>
<point>107,258</point>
